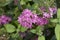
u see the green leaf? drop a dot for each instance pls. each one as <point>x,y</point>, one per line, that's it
<point>2,31</point>
<point>40,2</point>
<point>10,28</point>
<point>57,31</point>
<point>54,20</point>
<point>15,36</point>
<point>59,21</point>
<point>22,29</point>
<point>35,6</point>
<point>5,2</point>
<point>41,38</point>
<point>58,13</point>
<point>33,31</point>
<point>39,30</point>
<point>22,2</point>
<point>36,1</point>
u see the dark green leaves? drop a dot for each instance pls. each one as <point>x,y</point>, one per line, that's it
<point>5,2</point>
<point>15,36</point>
<point>53,37</point>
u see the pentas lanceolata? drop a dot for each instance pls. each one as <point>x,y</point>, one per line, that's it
<point>24,19</point>
<point>4,19</point>
<point>35,23</point>
<point>50,13</point>
<point>28,18</point>
<point>46,15</point>
<point>42,21</point>
<point>52,10</point>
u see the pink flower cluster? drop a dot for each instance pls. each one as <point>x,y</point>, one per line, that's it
<point>28,18</point>
<point>52,11</point>
<point>4,19</point>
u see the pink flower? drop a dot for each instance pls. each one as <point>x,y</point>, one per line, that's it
<point>27,12</point>
<point>24,19</point>
<point>28,18</point>
<point>34,18</point>
<point>46,15</point>
<point>4,19</point>
<point>42,21</point>
<point>52,10</point>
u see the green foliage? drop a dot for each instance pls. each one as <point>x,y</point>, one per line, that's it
<point>10,28</point>
<point>41,38</point>
<point>23,2</point>
<point>59,20</point>
<point>46,3</point>
<point>57,28</point>
<point>54,20</point>
<point>53,37</point>
<point>5,2</point>
<point>58,13</point>
<point>33,30</point>
<point>22,29</point>
<point>37,31</point>
<point>57,31</point>
<point>8,8</point>
<point>15,37</point>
